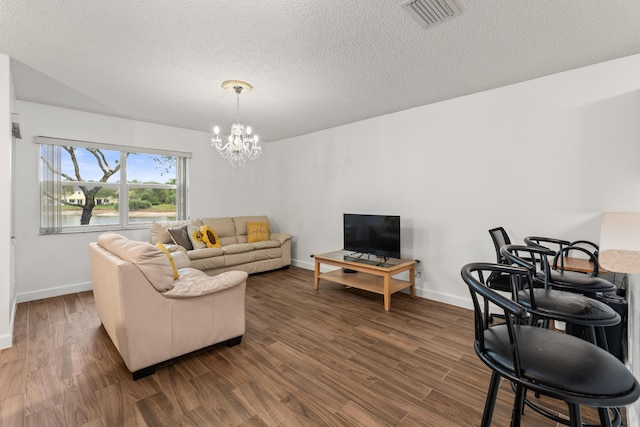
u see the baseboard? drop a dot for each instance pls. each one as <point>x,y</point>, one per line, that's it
<point>444,298</point>
<point>6,340</point>
<point>420,292</point>
<point>54,292</point>
<point>307,265</point>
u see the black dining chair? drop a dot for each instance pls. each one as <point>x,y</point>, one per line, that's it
<point>528,356</point>
<point>546,303</point>
<point>498,281</point>
<point>559,278</point>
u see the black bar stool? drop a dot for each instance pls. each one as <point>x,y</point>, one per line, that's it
<point>529,356</point>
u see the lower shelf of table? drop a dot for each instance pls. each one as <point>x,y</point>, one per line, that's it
<point>364,281</point>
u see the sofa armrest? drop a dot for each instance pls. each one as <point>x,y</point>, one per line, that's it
<point>281,237</point>
<point>202,284</point>
<point>174,248</point>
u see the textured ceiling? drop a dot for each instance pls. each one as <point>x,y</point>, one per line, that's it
<point>313,64</point>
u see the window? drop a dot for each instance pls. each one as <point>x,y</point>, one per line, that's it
<point>87,186</point>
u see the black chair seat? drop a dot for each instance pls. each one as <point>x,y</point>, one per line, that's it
<point>569,307</point>
<point>579,283</point>
<point>599,379</point>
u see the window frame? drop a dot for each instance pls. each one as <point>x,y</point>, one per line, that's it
<point>122,187</point>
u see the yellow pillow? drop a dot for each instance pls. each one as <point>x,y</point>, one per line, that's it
<point>209,237</point>
<point>176,275</point>
<point>257,231</point>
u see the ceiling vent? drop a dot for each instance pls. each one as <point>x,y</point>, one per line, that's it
<point>431,12</point>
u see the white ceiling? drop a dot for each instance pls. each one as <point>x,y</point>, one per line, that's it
<point>313,64</point>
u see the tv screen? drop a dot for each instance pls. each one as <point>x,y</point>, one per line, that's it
<point>372,234</point>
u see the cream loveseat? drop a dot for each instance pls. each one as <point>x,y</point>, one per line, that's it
<point>152,317</point>
<point>235,252</point>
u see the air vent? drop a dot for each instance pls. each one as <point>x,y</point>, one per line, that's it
<point>431,12</point>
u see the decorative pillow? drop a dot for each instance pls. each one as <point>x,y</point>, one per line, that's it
<point>257,231</point>
<point>176,275</point>
<point>210,237</point>
<point>180,236</point>
<point>196,237</point>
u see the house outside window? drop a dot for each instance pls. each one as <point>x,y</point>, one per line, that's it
<point>87,186</point>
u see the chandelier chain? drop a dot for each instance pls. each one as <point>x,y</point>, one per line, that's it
<point>238,90</point>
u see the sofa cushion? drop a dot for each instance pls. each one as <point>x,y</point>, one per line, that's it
<point>268,253</point>
<point>265,244</point>
<point>209,263</point>
<point>181,259</point>
<point>158,229</point>
<point>191,272</point>
<point>224,228</point>
<point>150,260</point>
<point>231,260</point>
<point>180,236</point>
<point>240,223</point>
<point>196,237</point>
<point>257,231</point>
<point>238,248</point>
<point>194,286</point>
<point>205,253</point>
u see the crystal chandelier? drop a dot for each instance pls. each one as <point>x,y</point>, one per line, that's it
<point>241,144</point>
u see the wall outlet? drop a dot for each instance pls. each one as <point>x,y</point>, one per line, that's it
<point>418,274</point>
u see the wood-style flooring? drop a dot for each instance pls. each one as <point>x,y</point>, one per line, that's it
<point>330,357</point>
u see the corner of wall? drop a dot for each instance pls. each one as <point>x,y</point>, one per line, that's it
<point>6,340</point>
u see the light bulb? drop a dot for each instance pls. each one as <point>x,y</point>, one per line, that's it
<point>248,130</point>
<point>216,130</point>
<point>255,138</point>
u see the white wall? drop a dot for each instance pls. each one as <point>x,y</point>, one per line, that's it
<point>541,157</point>
<point>58,264</point>
<point>7,286</point>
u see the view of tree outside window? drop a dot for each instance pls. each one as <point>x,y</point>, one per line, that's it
<point>105,187</point>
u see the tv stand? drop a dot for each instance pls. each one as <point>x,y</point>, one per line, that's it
<point>374,276</point>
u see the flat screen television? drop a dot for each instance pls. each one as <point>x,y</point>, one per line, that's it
<point>372,234</point>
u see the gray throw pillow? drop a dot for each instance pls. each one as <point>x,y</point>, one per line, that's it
<point>180,237</point>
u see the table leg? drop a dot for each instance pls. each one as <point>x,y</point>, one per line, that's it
<point>412,280</point>
<point>316,276</point>
<point>387,292</point>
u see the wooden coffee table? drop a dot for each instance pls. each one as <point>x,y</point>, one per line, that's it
<point>371,275</point>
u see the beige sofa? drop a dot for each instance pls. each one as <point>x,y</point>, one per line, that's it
<point>234,253</point>
<point>152,317</point>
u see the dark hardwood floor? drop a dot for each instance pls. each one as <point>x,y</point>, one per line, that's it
<point>330,357</point>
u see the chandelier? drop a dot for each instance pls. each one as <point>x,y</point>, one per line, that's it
<point>241,144</point>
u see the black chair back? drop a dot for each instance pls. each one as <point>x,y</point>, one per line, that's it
<point>533,258</point>
<point>475,275</point>
<point>558,259</point>
<point>500,238</point>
